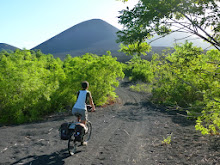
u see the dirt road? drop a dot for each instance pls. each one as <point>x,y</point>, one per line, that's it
<point>129,132</point>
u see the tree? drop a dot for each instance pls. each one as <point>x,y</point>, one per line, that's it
<point>162,17</point>
<point>136,49</point>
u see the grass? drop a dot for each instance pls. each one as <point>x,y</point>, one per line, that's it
<point>141,88</point>
<point>167,141</point>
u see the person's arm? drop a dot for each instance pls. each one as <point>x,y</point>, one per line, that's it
<point>91,102</point>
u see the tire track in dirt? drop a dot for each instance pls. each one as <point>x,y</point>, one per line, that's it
<point>99,138</point>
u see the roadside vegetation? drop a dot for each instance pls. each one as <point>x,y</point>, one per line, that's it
<point>185,80</point>
<point>188,79</point>
<point>33,84</point>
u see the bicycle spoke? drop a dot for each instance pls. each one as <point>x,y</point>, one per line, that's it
<point>89,131</point>
<point>71,146</point>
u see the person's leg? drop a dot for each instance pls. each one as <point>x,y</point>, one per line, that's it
<point>84,116</point>
<point>83,121</point>
<point>78,119</point>
<point>76,111</point>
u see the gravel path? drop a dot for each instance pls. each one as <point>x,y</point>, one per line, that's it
<point>129,132</point>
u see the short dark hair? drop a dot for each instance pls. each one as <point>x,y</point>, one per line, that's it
<point>85,84</point>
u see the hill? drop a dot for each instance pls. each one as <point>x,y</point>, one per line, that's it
<point>4,46</point>
<point>94,36</point>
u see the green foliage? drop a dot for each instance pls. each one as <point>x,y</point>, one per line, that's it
<point>167,140</point>
<point>136,49</point>
<point>141,88</point>
<point>161,17</point>
<point>139,69</point>
<point>189,79</point>
<point>175,74</point>
<point>26,83</point>
<point>33,84</point>
<point>100,72</point>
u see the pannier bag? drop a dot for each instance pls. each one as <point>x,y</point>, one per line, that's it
<point>79,133</point>
<point>65,132</point>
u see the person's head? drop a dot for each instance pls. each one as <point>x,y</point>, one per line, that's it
<point>85,85</point>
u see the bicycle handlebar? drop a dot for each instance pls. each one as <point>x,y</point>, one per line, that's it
<point>89,108</point>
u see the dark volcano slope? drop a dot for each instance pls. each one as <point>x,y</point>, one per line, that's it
<point>84,37</point>
<point>4,46</point>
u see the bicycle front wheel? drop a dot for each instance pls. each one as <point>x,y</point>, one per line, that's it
<point>88,132</point>
<point>71,146</point>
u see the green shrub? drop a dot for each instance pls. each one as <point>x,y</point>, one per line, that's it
<point>33,84</point>
<point>101,73</point>
<point>139,70</point>
<point>190,80</point>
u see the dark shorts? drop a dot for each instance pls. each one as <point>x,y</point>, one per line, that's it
<point>83,112</point>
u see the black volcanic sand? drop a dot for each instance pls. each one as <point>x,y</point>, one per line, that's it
<point>129,132</point>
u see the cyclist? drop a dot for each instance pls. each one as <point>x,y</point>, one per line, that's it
<point>80,106</point>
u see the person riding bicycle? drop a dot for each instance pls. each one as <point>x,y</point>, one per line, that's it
<point>80,106</point>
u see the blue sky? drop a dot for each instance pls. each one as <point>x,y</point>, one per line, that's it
<point>27,23</point>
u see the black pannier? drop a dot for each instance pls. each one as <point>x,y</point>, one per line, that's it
<point>79,133</point>
<point>65,132</point>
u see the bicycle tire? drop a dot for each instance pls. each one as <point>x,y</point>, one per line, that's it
<point>71,145</point>
<point>89,131</point>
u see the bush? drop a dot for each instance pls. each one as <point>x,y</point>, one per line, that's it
<point>33,84</point>
<point>189,79</point>
<point>139,70</point>
<point>101,73</point>
<point>26,84</point>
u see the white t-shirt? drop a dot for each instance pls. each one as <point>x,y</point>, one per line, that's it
<point>81,100</point>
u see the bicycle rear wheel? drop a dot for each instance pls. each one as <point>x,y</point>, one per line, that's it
<point>89,131</point>
<point>72,146</point>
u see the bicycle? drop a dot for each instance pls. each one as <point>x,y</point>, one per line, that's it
<point>72,142</point>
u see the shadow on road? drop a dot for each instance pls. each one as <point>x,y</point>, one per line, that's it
<point>178,117</point>
<point>54,158</point>
<point>137,111</point>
